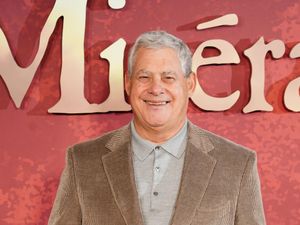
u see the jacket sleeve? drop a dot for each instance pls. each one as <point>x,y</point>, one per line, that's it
<point>249,206</point>
<point>66,209</point>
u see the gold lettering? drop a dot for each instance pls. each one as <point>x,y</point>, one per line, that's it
<point>227,55</point>
<point>18,79</point>
<point>291,93</point>
<point>226,20</point>
<point>72,102</point>
<point>116,4</point>
<point>257,54</point>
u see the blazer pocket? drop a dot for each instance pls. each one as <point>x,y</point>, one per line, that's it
<point>213,215</point>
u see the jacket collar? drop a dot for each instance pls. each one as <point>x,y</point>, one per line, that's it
<point>197,171</point>
<point>196,136</point>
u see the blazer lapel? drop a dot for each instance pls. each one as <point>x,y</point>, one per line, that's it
<point>119,170</point>
<point>197,170</point>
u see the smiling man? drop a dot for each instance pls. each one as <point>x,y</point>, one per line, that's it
<point>160,169</point>
<point>159,92</point>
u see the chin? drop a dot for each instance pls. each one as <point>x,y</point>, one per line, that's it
<point>157,123</point>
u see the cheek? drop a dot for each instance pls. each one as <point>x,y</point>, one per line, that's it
<point>136,95</point>
<point>181,99</point>
<point>179,93</point>
<point>137,88</point>
<point>134,90</point>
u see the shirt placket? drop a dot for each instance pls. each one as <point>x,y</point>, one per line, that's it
<point>157,176</point>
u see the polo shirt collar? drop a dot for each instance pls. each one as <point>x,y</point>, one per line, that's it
<point>175,146</point>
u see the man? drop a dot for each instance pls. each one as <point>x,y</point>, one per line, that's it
<point>160,169</point>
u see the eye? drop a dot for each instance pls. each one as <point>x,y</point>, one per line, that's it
<point>169,78</point>
<point>143,78</point>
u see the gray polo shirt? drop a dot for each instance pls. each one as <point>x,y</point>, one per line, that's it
<point>157,170</point>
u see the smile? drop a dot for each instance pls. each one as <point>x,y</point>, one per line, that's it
<point>156,103</point>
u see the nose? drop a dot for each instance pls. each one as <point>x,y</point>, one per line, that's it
<point>156,87</point>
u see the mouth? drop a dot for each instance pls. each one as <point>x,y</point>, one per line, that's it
<point>156,103</point>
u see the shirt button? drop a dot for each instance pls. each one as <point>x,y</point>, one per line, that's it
<point>156,148</point>
<point>155,193</point>
<point>157,169</point>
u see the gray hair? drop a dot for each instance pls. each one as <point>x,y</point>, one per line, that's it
<point>161,39</point>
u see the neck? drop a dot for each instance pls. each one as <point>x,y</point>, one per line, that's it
<point>157,134</point>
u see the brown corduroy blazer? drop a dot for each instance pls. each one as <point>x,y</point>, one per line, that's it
<point>219,186</point>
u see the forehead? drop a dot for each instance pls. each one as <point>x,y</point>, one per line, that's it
<point>157,58</point>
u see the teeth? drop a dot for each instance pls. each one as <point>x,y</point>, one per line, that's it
<point>156,103</point>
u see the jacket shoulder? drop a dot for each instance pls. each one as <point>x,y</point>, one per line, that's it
<point>96,145</point>
<point>224,148</point>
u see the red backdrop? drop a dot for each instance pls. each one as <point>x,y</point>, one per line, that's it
<point>33,142</point>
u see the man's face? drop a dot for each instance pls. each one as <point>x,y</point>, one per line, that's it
<point>158,90</point>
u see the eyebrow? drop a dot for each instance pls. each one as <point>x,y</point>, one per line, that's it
<point>165,73</point>
<point>143,71</point>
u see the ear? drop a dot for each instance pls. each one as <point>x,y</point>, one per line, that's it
<point>191,83</point>
<point>127,84</point>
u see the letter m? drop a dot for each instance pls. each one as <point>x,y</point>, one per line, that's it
<point>18,79</point>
